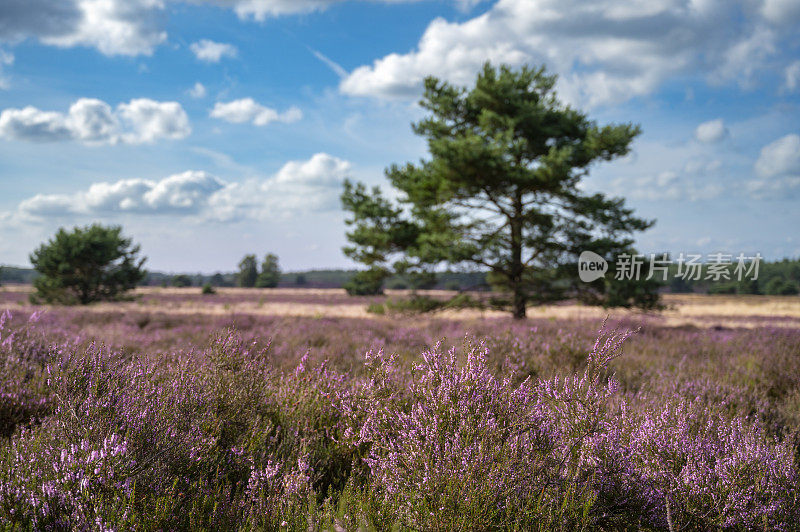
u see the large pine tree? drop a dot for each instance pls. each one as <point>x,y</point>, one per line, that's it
<point>500,192</point>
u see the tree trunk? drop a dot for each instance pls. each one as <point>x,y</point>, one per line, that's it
<point>517,268</point>
<point>519,303</point>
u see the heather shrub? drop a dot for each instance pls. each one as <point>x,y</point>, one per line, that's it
<point>526,426</point>
<point>679,465</point>
<point>23,355</point>
<point>49,485</point>
<point>453,447</point>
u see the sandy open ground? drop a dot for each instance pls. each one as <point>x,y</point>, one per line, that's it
<point>682,309</point>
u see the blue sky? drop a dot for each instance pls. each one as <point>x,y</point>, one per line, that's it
<point>211,129</point>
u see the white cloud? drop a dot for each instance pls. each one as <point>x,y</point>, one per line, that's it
<point>791,77</point>
<point>181,192</point>
<point>198,91</point>
<point>605,51</point>
<point>32,124</point>
<point>92,121</point>
<point>150,120</point>
<point>322,170</point>
<point>711,131</point>
<point>298,187</point>
<point>260,10</point>
<point>247,110</point>
<point>781,12</point>
<point>185,193</point>
<point>777,168</point>
<point>6,59</point>
<point>781,188</point>
<point>669,185</point>
<point>744,58</point>
<point>114,27</point>
<point>675,171</point>
<point>212,52</point>
<point>780,157</point>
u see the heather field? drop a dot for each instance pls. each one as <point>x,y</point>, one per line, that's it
<point>298,410</point>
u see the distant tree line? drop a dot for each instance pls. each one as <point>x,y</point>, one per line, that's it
<point>779,278</point>
<point>775,278</point>
<point>95,262</point>
<point>15,275</point>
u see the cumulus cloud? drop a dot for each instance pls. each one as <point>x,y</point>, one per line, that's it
<point>32,124</point>
<point>780,157</point>
<point>212,52</point>
<point>247,110</point>
<point>777,168</point>
<point>93,121</point>
<point>677,172</point>
<point>781,11</point>
<point>127,27</point>
<point>711,131</point>
<point>261,9</point>
<point>298,187</point>
<point>114,27</point>
<point>689,184</point>
<point>606,51</point>
<point>185,193</point>
<point>150,120</point>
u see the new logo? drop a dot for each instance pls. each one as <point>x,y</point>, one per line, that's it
<point>591,266</point>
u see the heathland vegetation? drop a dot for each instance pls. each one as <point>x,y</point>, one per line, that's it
<point>154,419</point>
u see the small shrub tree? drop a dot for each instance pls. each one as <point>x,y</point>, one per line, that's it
<point>86,264</point>
<point>181,281</point>
<point>366,282</point>
<point>208,289</point>
<point>270,272</point>
<point>248,272</point>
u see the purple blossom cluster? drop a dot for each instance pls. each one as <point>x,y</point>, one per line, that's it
<point>70,494</point>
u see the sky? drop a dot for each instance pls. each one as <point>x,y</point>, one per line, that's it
<point>211,129</point>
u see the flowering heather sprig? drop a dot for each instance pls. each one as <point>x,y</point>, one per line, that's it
<point>23,353</point>
<point>67,488</point>
<point>677,458</point>
<point>274,492</point>
<point>460,443</point>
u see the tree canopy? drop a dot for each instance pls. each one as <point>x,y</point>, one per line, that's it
<point>270,272</point>
<point>500,192</point>
<point>86,264</point>
<point>248,271</point>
